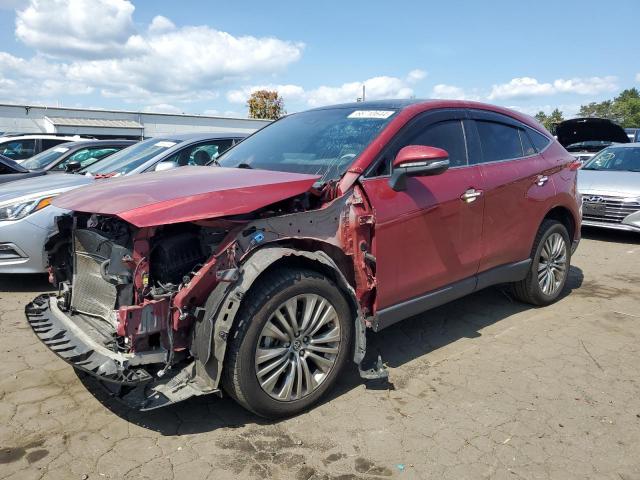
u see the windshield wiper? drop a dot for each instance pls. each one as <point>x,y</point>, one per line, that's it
<point>244,165</point>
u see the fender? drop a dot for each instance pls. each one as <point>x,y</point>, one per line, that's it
<point>224,301</point>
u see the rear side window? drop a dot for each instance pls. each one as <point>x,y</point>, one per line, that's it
<point>527,146</point>
<point>48,143</point>
<point>539,141</point>
<point>499,141</point>
<point>18,149</point>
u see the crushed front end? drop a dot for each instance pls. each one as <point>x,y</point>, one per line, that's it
<point>115,315</point>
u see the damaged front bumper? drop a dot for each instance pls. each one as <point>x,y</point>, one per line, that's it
<point>139,380</point>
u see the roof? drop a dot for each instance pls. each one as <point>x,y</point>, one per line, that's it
<point>201,136</point>
<point>42,136</point>
<point>373,104</point>
<point>93,122</point>
<point>94,143</point>
<point>72,109</point>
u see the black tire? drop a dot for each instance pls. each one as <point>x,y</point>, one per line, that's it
<point>239,378</point>
<point>529,290</point>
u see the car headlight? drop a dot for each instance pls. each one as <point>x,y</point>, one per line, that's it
<point>18,209</point>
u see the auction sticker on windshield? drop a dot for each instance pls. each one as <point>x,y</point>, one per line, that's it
<point>165,144</point>
<point>382,114</point>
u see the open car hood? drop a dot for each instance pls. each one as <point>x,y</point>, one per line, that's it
<point>185,194</point>
<point>579,130</point>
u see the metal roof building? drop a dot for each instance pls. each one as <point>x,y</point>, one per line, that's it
<point>115,123</point>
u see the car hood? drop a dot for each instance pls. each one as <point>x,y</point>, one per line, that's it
<point>579,130</point>
<point>44,184</point>
<point>186,194</point>
<point>603,182</point>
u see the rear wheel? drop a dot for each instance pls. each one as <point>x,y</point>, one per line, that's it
<point>292,338</point>
<point>551,259</point>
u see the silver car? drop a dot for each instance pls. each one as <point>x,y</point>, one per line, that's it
<point>27,218</point>
<point>610,188</point>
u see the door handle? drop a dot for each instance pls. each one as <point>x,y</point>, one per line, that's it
<point>470,195</point>
<point>541,180</point>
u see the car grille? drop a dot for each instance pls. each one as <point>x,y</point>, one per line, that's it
<point>612,210</point>
<point>91,293</point>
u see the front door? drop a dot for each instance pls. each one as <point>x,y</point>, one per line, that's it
<point>429,235</point>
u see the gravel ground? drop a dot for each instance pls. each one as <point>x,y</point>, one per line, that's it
<point>482,388</point>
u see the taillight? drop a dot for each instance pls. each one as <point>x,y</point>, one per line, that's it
<point>575,165</point>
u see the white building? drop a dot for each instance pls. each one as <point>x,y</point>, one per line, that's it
<point>115,123</point>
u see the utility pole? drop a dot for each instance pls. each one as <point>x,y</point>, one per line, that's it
<point>363,97</point>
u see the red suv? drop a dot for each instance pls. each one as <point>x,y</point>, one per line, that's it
<point>261,275</point>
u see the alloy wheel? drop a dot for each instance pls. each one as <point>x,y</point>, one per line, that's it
<point>297,347</point>
<point>552,265</point>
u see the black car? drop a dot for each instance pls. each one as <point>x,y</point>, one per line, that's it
<point>66,157</point>
<point>584,137</point>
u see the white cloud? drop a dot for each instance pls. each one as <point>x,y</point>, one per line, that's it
<point>638,77</point>
<point>416,75</point>
<point>525,87</point>
<point>162,108</point>
<point>163,64</point>
<point>376,88</point>
<point>77,28</point>
<point>450,92</point>
<point>587,86</point>
<point>161,24</point>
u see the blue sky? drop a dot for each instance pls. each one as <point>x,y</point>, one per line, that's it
<point>207,57</point>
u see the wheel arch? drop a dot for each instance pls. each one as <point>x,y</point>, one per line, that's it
<point>226,300</point>
<point>563,215</point>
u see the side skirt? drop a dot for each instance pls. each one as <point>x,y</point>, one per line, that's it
<point>512,272</point>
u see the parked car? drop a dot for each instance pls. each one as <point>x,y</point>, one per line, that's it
<point>66,157</point>
<point>260,277</point>
<point>26,216</point>
<point>632,133</point>
<point>610,188</point>
<point>21,147</point>
<point>584,137</point>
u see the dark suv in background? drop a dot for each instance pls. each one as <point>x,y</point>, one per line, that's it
<point>261,275</point>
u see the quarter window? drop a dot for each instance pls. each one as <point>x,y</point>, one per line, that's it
<point>499,141</point>
<point>539,141</point>
<point>527,146</point>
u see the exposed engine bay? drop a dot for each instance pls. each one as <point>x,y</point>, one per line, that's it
<point>158,302</point>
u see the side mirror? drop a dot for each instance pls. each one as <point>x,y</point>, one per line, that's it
<point>162,166</point>
<point>417,161</point>
<point>72,166</point>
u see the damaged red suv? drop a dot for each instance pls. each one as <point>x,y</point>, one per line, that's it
<point>261,276</point>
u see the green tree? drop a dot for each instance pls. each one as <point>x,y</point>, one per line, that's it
<point>623,109</point>
<point>550,121</point>
<point>266,104</point>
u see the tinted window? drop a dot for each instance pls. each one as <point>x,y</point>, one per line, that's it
<point>539,140</point>
<point>87,156</point>
<point>45,158</point>
<point>200,154</point>
<point>527,146</point>
<point>499,141</point>
<point>130,158</point>
<point>18,149</point>
<point>448,135</point>
<point>51,142</point>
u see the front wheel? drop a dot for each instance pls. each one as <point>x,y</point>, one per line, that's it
<point>292,338</point>
<point>550,263</point>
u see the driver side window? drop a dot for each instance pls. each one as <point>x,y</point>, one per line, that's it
<point>447,134</point>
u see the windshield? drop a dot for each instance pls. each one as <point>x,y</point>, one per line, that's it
<point>318,142</point>
<point>130,158</point>
<point>40,161</point>
<point>620,159</point>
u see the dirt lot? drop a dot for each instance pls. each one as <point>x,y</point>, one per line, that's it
<point>482,388</point>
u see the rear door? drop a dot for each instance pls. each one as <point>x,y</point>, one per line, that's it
<point>426,236</point>
<point>517,188</point>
